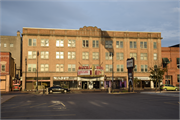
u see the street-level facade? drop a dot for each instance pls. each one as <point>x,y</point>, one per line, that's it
<point>63,51</point>
<point>171,54</point>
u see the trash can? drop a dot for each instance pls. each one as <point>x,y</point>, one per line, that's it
<point>109,90</point>
<point>47,91</point>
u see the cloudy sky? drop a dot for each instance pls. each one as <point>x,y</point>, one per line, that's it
<point>120,15</point>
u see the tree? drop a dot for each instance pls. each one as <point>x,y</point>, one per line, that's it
<point>135,81</point>
<point>157,73</point>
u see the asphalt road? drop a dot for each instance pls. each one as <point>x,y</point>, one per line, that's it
<point>91,106</point>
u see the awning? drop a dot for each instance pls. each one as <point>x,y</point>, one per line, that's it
<point>165,60</point>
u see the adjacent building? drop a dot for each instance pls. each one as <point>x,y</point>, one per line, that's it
<point>171,57</point>
<point>7,71</point>
<point>58,54</point>
<point>13,45</point>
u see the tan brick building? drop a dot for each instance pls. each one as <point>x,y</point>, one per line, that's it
<point>62,51</point>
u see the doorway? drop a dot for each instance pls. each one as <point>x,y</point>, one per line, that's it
<point>84,84</point>
<point>96,84</point>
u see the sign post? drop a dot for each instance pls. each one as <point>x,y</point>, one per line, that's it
<point>130,67</point>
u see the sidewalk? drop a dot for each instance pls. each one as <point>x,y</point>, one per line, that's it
<point>5,98</point>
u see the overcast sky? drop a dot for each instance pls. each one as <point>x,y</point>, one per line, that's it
<point>120,15</point>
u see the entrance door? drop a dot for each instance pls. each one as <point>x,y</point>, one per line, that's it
<point>84,84</point>
<point>96,84</point>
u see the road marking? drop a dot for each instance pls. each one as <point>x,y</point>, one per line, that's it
<point>22,105</point>
<point>53,105</point>
<point>38,105</point>
<point>95,104</point>
<point>170,103</point>
<point>71,102</point>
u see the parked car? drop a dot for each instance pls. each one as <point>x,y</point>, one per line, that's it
<point>169,87</point>
<point>58,89</point>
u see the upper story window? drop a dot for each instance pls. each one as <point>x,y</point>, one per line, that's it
<point>85,43</point>
<point>85,55</point>
<point>59,43</point>
<point>59,55</point>
<point>108,44</point>
<point>71,67</point>
<point>32,42</point>
<point>144,68</point>
<point>71,55</point>
<point>44,42</point>
<point>154,45</point>
<point>135,68</point>
<point>44,67</point>
<point>11,45</point>
<point>120,68</point>
<point>108,56</point>
<point>71,43</point>
<point>119,56</point>
<point>133,44</point>
<point>85,65</point>
<point>31,54</point>
<point>59,67</point>
<point>155,56</point>
<point>143,44</point>
<point>3,68</point>
<point>178,63</point>
<point>5,45</point>
<point>143,56</point>
<point>134,55</point>
<point>95,55</point>
<point>31,67</point>
<point>45,55</point>
<point>95,43</point>
<point>108,68</point>
<point>119,44</point>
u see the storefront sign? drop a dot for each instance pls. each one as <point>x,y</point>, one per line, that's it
<point>83,72</point>
<point>99,72</point>
<point>65,78</point>
<point>130,63</point>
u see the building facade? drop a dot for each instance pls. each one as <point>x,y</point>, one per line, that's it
<point>171,56</point>
<point>13,45</point>
<point>63,51</point>
<point>7,71</point>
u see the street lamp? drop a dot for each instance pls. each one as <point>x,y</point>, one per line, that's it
<point>111,54</point>
<point>37,71</point>
<point>25,72</point>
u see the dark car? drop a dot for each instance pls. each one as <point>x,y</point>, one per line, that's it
<point>58,89</point>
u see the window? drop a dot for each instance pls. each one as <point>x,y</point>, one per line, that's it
<point>143,56</point>
<point>3,68</point>
<point>155,66</point>
<point>155,56</point>
<point>85,55</point>
<point>44,42</point>
<point>144,68</point>
<point>95,65</point>
<point>71,55</point>
<point>32,42</point>
<point>178,63</point>
<point>135,68</point>
<point>59,67</point>
<point>154,45</point>
<point>95,43</point>
<point>108,57</point>
<point>178,77</point>
<point>108,44</point>
<point>44,54</point>
<point>95,55</point>
<point>59,43</point>
<point>11,45</point>
<point>71,67</point>
<point>59,55</point>
<point>120,68</point>
<point>134,55</point>
<point>109,68</point>
<point>5,45</point>
<point>119,56</point>
<point>85,65</point>
<point>85,43</point>
<point>132,44</point>
<point>71,43</point>
<point>44,67</point>
<point>119,44</point>
<point>31,67</point>
<point>143,44</point>
<point>31,54</point>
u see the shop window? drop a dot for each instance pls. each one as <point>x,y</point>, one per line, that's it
<point>85,55</point>
<point>143,56</point>
<point>59,43</point>
<point>59,55</point>
<point>108,44</point>
<point>44,42</point>
<point>71,55</point>
<point>102,83</point>
<point>119,44</point>
<point>132,44</point>
<point>85,43</point>
<point>71,43</point>
<point>95,43</point>
<point>95,55</point>
<point>143,44</point>
<point>107,83</point>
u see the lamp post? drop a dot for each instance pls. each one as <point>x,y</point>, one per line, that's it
<point>37,71</point>
<point>25,72</point>
<point>111,54</point>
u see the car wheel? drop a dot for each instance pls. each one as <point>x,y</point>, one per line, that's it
<point>165,89</point>
<point>176,89</point>
<point>65,91</point>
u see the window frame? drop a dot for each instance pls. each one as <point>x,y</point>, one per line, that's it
<point>71,55</point>
<point>119,56</point>
<point>85,43</point>
<point>71,68</point>
<point>71,43</point>
<point>133,44</point>
<point>154,45</point>
<point>134,55</point>
<point>45,40</point>
<point>59,54</point>
<point>155,56</point>
<point>120,44</point>
<point>108,44</point>
<point>59,42</point>
<point>33,42</point>
<point>32,67</point>
<point>44,52</point>
<point>143,45</point>
<point>44,67</point>
<point>95,55</point>
<point>84,55</point>
<point>95,43</point>
<point>2,68</point>
<point>144,55</point>
<point>107,55</point>
<point>32,54</point>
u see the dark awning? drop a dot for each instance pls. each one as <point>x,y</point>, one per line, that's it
<point>166,60</point>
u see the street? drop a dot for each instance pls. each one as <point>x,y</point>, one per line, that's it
<point>91,106</point>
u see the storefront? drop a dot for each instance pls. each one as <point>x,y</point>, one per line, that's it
<point>145,82</point>
<point>119,82</point>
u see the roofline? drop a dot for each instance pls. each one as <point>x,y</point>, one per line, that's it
<point>78,29</point>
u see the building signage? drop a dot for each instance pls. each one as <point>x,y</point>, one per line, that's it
<point>83,72</point>
<point>130,63</point>
<point>99,72</point>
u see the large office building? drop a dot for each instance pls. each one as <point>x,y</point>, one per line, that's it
<point>63,52</point>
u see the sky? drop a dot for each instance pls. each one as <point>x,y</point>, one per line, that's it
<point>118,15</point>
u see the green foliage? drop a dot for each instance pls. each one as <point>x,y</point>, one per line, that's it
<point>136,80</point>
